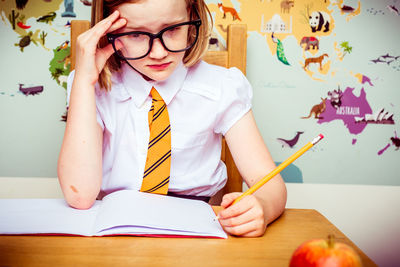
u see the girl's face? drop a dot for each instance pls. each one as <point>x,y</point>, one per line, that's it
<point>152,16</point>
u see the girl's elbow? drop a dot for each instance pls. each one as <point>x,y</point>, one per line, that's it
<point>80,202</point>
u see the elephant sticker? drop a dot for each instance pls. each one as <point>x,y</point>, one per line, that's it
<point>309,42</point>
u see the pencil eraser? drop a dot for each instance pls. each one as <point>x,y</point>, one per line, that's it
<point>321,135</point>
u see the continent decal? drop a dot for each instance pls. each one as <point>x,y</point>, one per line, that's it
<point>350,108</point>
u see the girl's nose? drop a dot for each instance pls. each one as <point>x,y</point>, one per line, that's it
<point>158,50</point>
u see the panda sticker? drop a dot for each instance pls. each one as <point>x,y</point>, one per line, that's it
<point>318,20</point>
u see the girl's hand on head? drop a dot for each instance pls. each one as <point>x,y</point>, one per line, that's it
<point>244,218</point>
<point>90,59</point>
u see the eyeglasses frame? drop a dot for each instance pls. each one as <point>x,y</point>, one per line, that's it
<point>111,37</point>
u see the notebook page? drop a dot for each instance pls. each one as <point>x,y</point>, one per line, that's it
<point>45,216</point>
<point>137,230</point>
<point>132,208</point>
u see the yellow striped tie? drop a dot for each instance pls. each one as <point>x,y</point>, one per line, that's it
<point>158,162</point>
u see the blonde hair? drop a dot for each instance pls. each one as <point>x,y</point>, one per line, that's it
<point>103,8</point>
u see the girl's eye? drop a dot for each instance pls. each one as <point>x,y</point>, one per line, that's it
<point>175,29</point>
<point>135,35</point>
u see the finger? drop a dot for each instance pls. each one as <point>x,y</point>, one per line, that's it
<point>117,24</point>
<point>111,18</point>
<point>251,214</point>
<point>104,54</point>
<point>235,210</point>
<point>104,25</point>
<point>252,228</point>
<point>255,233</point>
<point>229,198</point>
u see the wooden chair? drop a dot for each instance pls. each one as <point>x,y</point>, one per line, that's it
<point>234,56</point>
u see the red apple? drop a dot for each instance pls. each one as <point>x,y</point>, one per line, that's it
<point>324,253</point>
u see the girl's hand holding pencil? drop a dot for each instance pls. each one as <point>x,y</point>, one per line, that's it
<point>243,214</point>
<point>245,218</point>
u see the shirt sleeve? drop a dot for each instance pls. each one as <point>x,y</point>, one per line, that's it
<point>69,87</point>
<point>235,101</point>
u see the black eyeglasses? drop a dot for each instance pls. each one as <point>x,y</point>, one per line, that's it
<point>138,44</point>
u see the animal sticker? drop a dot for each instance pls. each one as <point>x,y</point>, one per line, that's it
<point>317,110</point>
<point>309,42</point>
<point>317,60</point>
<point>335,98</point>
<point>33,90</point>
<point>230,10</point>
<point>319,21</point>
<point>286,5</point>
<point>25,41</point>
<point>395,140</point>
<point>393,9</point>
<point>349,11</point>
<point>388,59</point>
<point>290,142</point>
<point>21,4</point>
<point>48,19</point>
<point>280,53</point>
<point>86,2</point>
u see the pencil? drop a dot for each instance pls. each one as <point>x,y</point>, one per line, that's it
<point>278,169</point>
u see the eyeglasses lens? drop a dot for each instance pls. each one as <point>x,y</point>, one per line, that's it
<point>175,39</point>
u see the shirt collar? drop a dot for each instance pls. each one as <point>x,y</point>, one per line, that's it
<point>139,89</point>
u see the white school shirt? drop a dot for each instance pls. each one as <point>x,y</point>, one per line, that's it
<point>203,102</point>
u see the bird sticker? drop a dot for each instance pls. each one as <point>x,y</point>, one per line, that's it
<point>280,53</point>
<point>64,45</point>
<point>290,142</point>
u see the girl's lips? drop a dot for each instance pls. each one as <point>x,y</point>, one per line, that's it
<point>159,66</point>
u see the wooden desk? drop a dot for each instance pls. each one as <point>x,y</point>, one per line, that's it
<point>273,249</point>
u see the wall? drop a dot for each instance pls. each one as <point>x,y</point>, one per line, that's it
<point>363,62</point>
<point>31,122</point>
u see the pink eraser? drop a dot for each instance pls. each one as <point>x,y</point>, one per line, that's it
<point>320,135</point>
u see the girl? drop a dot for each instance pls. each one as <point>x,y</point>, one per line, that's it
<point>154,48</point>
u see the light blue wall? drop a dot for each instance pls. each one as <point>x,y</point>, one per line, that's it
<point>31,130</point>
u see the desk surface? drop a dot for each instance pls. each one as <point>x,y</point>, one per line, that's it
<point>273,249</point>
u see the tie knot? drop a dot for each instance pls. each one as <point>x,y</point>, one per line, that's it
<point>155,95</point>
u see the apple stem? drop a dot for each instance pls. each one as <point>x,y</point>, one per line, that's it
<point>331,240</point>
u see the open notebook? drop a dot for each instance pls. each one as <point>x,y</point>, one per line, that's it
<point>123,212</point>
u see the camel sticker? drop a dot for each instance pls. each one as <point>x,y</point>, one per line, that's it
<point>286,5</point>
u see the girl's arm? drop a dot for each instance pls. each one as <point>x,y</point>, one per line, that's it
<point>251,215</point>
<point>80,160</point>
